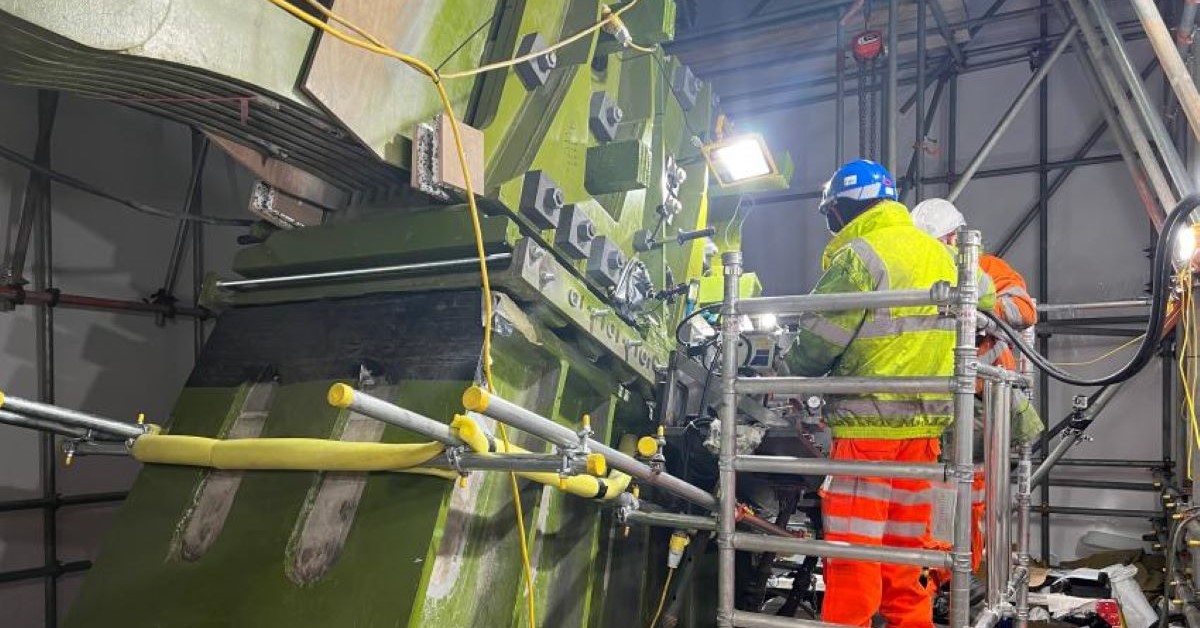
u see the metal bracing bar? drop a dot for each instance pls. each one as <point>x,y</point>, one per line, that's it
<point>1100,512</point>
<point>55,299</point>
<point>760,63</point>
<point>509,413</point>
<point>13,272</point>
<point>1071,309</point>
<point>191,205</point>
<point>948,64</point>
<point>1011,113</point>
<point>943,26</point>
<point>670,520</point>
<point>1058,164</point>
<point>517,463</point>
<point>50,572</point>
<point>939,294</point>
<point>1124,464</point>
<point>1043,471</point>
<point>1014,52</point>
<point>825,549</point>
<point>740,29</point>
<point>746,619</point>
<point>61,501</point>
<point>1071,436</point>
<point>267,282</point>
<point>842,385</point>
<point>1148,112</point>
<point>95,448</point>
<point>1174,68</point>
<point>71,417</point>
<point>1094,62</point>
<point>965,362</point>
<point>998,498</point>
<point>1107,122</point>
<point>727,412</point>
<point>1109,486</point>
<point>392,414</point>
<point>822,466</point>
<point>41,425</point>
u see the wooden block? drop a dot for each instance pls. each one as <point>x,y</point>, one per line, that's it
<point>449,169</point>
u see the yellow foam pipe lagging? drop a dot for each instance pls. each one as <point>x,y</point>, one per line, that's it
<point>282,454</point>
<point>586,486</point>
<point>314,454</point>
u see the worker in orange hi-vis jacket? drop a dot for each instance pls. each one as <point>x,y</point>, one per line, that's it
<point>941,219</point>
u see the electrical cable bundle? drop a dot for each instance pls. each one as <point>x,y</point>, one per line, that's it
<point>1161,271</point>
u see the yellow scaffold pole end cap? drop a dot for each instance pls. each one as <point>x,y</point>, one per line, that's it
<point>462,481</point>
<point>647,446</point>
<point>597,465</point>
<point>476,399</point>
<point>587,421</point>
<point>141,418</point>
<point>1,399</point>
<point>562,483</point>
<point>340,395</point>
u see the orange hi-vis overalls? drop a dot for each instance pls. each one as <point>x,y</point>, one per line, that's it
<point>877,511</point>
<point>1015,307</point>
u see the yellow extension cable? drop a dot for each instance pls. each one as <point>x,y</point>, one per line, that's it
<point>1105,356</point>
<point>374,44</point>
<point>662,598</point>
<point>1191,341</point>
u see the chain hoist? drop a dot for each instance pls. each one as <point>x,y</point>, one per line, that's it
<point>867,49</point>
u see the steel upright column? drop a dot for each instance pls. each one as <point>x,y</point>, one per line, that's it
<point>917,183</point>
<point>1044,265</point>
<point>839,124</point>
<point>199,142</point>
<point>726,519</point>
<point>43,279</point>
<point>997,495</point>
<point>889,99</point>
<point>965,367</point>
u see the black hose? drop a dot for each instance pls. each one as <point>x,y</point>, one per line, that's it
<point>689,317</point>
<point>1160,284</point>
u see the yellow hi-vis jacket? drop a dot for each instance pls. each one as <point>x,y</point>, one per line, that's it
<point>882,250</point>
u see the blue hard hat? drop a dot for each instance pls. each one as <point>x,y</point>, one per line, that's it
<point>860,180</point>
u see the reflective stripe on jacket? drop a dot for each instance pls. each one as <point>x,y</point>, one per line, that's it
<point>1013,305</point>
<point>882,250</point>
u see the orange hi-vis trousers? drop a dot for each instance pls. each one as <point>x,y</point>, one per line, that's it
<point>878,511</point>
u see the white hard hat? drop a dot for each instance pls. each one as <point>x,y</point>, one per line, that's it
<point>937,217</point>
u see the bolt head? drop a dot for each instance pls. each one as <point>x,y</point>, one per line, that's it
<point>586,231</point>
<point>615,114</point>
<point>553,198</point>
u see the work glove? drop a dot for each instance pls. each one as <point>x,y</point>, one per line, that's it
<point>1027,425</point>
